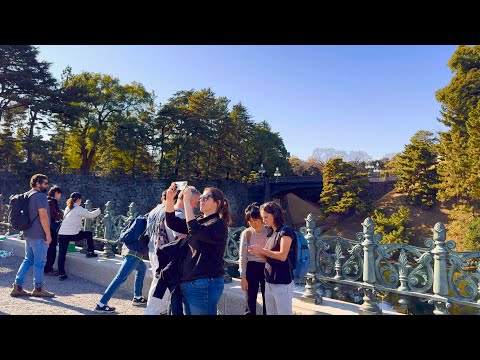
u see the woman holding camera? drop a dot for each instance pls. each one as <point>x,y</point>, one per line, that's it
<point>201,281</point>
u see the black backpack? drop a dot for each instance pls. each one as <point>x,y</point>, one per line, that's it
<point>18,216</point>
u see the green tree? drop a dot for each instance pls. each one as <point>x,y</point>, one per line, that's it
<point>10,148</point>
<point>22,76</point>
<point>472,235</point>
<point>458,147</point>
<point>395,229</point>
<point>267,148</point>
<point>342,185</point>
<point>104,102</point>
<point>416,170</point>
<point>126,149</point>
<point>238,132</point>
<point>26,83</point>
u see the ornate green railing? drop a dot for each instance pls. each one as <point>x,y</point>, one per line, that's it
<point>436,273</point>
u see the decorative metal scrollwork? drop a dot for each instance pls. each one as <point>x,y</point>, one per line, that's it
<point>339,258</point>
<point>119,223</point>
<point>464,274</point>
<point>98,227</point>
<point>353,267</point>
<point>412,271</point>
<point>232,249</point>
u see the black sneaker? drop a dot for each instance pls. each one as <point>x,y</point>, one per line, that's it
<point>62,277</point>
<point>104,308</point>
<point>91,254</point>
<point>139,302</point>
<point>50,272</point>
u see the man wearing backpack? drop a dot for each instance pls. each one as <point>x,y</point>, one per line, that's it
<point>37,239</point>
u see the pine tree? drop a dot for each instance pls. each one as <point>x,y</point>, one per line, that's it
<point>342,185</point>
<point>395,229</point>
<point>10,148</point>
<point>459,146</point>
<point>416,169</point>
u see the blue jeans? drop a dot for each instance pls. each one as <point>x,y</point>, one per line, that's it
<point>129,264</point>
<point>201,296</point>
<point>36,255</point>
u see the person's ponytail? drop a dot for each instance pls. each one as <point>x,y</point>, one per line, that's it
<point>70,203</point>
<point>225,212</point>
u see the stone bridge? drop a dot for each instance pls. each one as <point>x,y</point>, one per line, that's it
<point>349,269</point>
<point>285,184</point>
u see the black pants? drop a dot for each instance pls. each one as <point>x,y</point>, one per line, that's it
<point>64,240</point>
<point>51,252</point>
<point>256,278</point>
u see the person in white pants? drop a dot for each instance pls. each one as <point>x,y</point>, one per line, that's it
<point>155,306</point>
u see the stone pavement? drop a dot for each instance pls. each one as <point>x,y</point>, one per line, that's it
<point>74,296</point>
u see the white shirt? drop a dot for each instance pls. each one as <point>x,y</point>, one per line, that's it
<point>72,220</point>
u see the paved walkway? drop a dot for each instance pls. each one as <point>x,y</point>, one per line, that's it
<point>74,296</point>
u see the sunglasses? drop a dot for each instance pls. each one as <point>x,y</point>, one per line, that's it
<point>205,197</point>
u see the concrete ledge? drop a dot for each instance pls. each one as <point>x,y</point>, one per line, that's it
<point>98,270</point>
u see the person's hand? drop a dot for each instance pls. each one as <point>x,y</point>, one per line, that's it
<point>49,239</point>
<point>244,284</point>
<point>172,191</point>
<point>187,194</point>
<point>255,249</point>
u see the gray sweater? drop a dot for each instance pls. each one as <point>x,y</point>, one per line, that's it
<point>258,238</point>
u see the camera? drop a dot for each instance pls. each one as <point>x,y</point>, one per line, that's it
<point>180,185</point>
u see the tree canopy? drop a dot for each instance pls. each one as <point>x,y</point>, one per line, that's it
<point>94,123</point>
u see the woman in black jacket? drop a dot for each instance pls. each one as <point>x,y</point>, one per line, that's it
<point>278,253</point>
<point>56,216</point>
<point>201,281</point>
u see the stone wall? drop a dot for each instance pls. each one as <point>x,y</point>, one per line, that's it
<point>122,191</point>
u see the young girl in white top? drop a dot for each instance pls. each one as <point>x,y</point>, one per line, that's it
<point>252,267</point>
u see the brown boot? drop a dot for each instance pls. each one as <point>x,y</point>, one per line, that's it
<point>41,292</point>
<point>18,291</point>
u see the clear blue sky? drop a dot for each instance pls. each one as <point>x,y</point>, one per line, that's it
<point>370,98</point>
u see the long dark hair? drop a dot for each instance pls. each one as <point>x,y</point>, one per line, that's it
<point>276,210</point>
<point>252,212</point>
<point>55,189</point>
<point>223,208</point>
